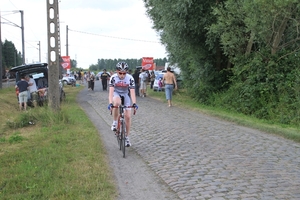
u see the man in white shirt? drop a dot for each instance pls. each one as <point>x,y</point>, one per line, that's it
<point>33,93</point>
<point>143,82</point>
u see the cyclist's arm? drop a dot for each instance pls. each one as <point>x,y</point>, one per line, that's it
<point>132,95</point>
<point>111,94</point>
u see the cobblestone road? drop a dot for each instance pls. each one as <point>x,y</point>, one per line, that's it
<point>201,157</point>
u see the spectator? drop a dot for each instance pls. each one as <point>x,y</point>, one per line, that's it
<point>92,81</point>
<point>143,82</point>
<point>152,78</point>
<point>136,81</point>
<point>160,84</point>
<point>169,80</point>
<point>33,95</point>
<point>22,85</point>
<point>80,77</point>
<point>104,79</point>
<point>88,80</point>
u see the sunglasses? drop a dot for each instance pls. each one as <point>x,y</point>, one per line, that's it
<point>121,73</point>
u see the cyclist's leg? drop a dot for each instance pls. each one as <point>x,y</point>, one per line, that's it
<point>128,120</point>
<point>115,112</point>
<point>116,102</point>
<point>127,102</point>
<point>127,114</point>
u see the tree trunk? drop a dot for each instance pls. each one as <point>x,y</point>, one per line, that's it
<point>250,43</point>
<point>278,36</point>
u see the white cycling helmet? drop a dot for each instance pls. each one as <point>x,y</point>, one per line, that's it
<point>122,66</point>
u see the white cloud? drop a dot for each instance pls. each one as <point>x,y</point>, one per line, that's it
<point>96,29</point>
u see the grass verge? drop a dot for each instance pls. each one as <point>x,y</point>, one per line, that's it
<point>59,157</point>
<point>182,99</point>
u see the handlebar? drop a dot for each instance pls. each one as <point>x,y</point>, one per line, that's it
<point>134,111</point>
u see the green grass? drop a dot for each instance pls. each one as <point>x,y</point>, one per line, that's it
<point>61,156</point>
<point>181,98</point>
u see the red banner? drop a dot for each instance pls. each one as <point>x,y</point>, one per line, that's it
<point>147,63</point>
<point>66,62</point>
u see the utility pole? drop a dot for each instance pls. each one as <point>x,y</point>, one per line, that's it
<point>22,32</point>
<point>67,42</point>
<point>39,51</point>
<point>53,54</point>
<point>23,42</point>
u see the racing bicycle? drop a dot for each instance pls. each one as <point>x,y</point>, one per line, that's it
<point>121,126</point>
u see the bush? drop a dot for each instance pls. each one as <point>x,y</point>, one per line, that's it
<point>266,89</point>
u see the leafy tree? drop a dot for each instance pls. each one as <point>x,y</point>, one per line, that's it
<point>10,55</point>
<point>245,53</point>
<point>73,64</point>
<point>182,27</point>
<point>261,39</point>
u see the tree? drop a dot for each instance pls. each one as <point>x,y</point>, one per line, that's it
<point>243,52</point>
<point>247,26</point>
<point>10,55</point>
<point>73,63</point>
<point>182,26</point>
<point>261,38</point>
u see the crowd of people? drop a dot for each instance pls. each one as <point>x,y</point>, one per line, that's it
<point>121,84</point>
<point>142,78</point>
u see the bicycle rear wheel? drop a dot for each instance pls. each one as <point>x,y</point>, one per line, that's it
<point>123,141</point>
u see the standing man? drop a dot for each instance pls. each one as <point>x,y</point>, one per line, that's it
<point>104,78</point>
<point>92,80</point>
<point>33,94</point>
<point>80,77</point>
<point>169,80</point>
<point>152,79</point>
<point>136,81</point>
<point>119,85</point>
<point>143,82</point>
<point>88,75</point>
<point>22,85</point>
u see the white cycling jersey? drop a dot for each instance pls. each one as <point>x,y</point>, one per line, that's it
<point>122,86</point>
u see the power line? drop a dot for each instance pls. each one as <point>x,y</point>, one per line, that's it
<point>120,38</point>
<point>12,3</point>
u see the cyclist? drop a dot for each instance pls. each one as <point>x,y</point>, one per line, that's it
<point>122,84</point>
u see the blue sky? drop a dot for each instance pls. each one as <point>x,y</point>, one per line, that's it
<point>97,29</point>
